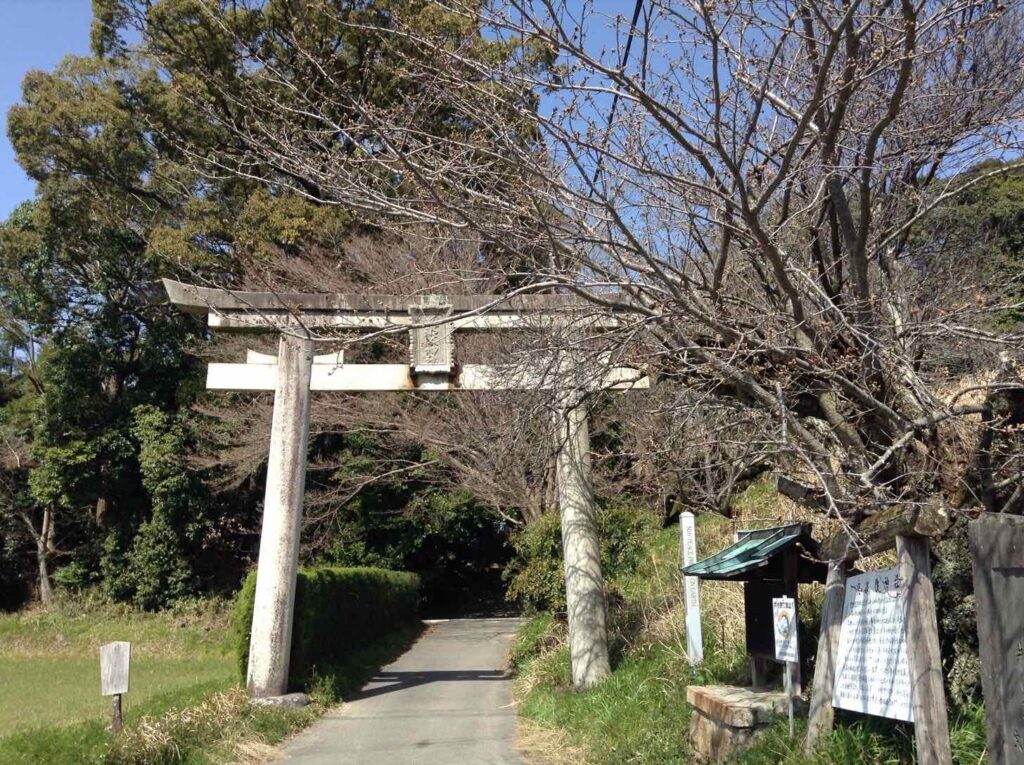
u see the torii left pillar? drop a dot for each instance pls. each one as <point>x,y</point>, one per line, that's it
<point>581,546</point>
<point>277,570</point>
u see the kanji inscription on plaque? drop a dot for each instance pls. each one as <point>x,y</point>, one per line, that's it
<point>431,344</point>
<point>872,675</point>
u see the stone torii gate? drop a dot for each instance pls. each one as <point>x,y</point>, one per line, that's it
<point>432,322</point>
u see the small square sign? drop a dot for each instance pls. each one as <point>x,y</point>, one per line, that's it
<point>784,621</point>
<point>114,661</point>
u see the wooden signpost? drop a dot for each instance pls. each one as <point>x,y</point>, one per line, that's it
<point>691,588</point>
<point>115,661</point>
<point>908,528</point>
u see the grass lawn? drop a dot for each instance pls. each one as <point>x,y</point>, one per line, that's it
<point>49,660</point>
<point>185,705</point>
<point>41,692</point>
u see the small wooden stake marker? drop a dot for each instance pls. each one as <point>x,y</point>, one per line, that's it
<point>115,659</point>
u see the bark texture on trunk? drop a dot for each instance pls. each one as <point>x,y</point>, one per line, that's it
<point>44,549</point>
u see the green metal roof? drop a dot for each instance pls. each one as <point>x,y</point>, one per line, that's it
<point>752,550</point>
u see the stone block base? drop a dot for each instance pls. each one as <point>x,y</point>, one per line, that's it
<point>287,700</point>
<point>726,719</point>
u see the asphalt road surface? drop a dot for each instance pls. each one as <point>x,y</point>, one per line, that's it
<point>446,700</point>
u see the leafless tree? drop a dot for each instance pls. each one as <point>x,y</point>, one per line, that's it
<point>498,445</point>
<point>748,185</point>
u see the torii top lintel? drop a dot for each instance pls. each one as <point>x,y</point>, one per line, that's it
<point>431,323</point>
<point>255,311</point>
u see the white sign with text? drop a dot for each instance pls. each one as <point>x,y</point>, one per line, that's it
<point>872,674</point>
<point>691,588</point>
<point>784,619</point>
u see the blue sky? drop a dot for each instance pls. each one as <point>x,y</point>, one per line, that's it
<point>34,34</point>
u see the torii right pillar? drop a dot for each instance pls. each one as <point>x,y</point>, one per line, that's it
<point>581,547</point>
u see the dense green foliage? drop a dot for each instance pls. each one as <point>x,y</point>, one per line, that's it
<point>981,230</point>
<point>338,613</point>
<point>535,576</point>
<point>454,543</point>
<point>109,483</point>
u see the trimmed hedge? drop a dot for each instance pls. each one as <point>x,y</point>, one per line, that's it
<point>338,612</point>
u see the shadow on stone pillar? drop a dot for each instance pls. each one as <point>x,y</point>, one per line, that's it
<point>584,584</point>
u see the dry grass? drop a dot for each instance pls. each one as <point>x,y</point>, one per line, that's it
<point>253,753</point>
<point>152,739</point>
<point>225,726</point>
<point>548,746</point>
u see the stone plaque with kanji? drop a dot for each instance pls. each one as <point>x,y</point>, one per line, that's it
<point>431,343</point>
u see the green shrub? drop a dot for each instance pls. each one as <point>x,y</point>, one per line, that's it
<point>74,576</point>
<point>157,572</point>
<point>338,612</point>
<point>535,575</point>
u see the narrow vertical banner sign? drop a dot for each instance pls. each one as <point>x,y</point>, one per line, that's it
<point>691,588</point>
<point>784,617</point>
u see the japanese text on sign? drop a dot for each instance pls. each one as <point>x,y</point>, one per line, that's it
<point>784,620</point>
<point>872,675</point>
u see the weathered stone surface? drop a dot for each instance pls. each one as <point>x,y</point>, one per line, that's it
<point>286,700</point>
<point>431,345</point>
<point>274,606</point>
<point>739,707</point>
<point>191,298</point>
<point>714,741</point>
<point>581,545</point>
<point>726,718</point>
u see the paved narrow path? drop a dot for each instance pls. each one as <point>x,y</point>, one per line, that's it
<point>446,700</point>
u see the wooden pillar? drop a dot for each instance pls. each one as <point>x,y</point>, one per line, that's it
<point>931,723</point>
<point>581,548</point>
<point>819,719</point>
<point>791,572</point>
<point>274,607</point>
<point>997,555</point>
<point>758,672</point>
